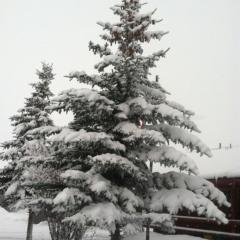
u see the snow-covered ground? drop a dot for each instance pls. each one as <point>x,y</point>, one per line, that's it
<point>13,227</point>
<point>101,235</point>
<point>157,236</point>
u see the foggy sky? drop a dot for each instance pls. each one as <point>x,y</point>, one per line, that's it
<point>201,70</point>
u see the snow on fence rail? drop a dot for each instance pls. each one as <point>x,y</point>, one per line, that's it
<point>197,230</point>
<point>237,221</point>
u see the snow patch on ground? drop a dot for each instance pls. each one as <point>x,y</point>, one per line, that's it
<point>14,225</point>
<point>157,236</point>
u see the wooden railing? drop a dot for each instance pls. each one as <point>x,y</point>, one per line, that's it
<point>237,221</point>
<point>212,232</point>
<point>193,230</point>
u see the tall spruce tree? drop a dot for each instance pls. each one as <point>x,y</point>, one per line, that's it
<point>118,128</point>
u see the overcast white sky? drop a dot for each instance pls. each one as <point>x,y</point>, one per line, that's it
<point>201,71</point>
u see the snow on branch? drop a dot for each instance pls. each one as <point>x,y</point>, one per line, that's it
<point>180,108</point>
<point>74,175</point>
<point>40,201</point>
<point>134,133</point>
<point>108,38</point>
<point>195,184</point>
<point>107,161</point>
<point>8,144</point>
<point>6,173</point>
<point>68,135</point>
<point>154,57</point>
<point>129,200</point>
<point>162,220</point>
<point>180,135</point>
<point>132,228</point>
<point>156,84</point>
<point>140,27</point>
<point>113,28</point>
<point>94,182</point>
<point>100,186</point>
<point>44,130</point>
<point>12,189</point>
<point>176,200</point>
<point>168,112</point>
<point>10,153</point>
<point>114,145</point>
<point>117,10</point>
<point>36,148</point>
<point>82,77</point>
<point>148,35</point>
<point>145,16</point>
<point>103,215</point>
<point>83,95</point>
<point>107,61</point>
<point>160,111</point>
<point>152,92</point>
<point>101,50</point>
<point>39,175</point>
<point>167,156</point>
<point>69,199</point>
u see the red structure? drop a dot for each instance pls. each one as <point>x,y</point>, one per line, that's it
<point>209,229</point>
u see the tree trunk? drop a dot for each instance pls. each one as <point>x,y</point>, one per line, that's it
<point>116,235</point>
<point>30,225</point>
<point>148,231</point>
<point>151,166</point>
<point>148,222</point>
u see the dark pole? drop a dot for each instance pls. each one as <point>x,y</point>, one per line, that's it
<point>148,230</point>
<point>116,235</point>
<point>30,225</point>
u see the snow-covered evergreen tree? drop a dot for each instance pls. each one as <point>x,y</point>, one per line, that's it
<point>118,128</point>
<point>27,147</point>
<point>27,151</point>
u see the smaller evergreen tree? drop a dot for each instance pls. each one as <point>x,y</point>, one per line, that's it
<point>27,148</point>
<point>21,152</point>
<point>31,179</point>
